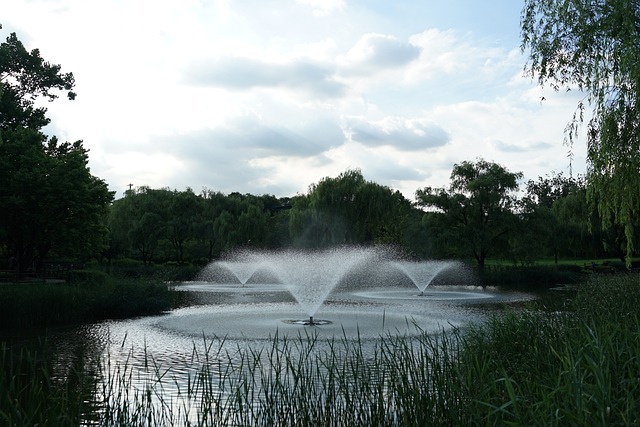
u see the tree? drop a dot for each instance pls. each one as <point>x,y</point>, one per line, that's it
<point>50,201</point>
<point>555,218</point>
<point>208,230</point>
<point>277,227</point>
<point>184,211</point>
<point>25,77</point>
<point>475,212</point>
<point>140,221</point>
<point>348,210</point>
<point>593,45</point>
<point>334,204</point>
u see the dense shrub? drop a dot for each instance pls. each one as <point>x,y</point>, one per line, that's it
<point>531,277</point>
<point>87,277</point>
<point>45,304</point>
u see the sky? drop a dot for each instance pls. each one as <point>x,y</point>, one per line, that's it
<point>271,96</point>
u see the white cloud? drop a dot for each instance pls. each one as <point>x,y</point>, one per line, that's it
<point>402,133</point>
<point>324,7</point>
<point>441,52</point>
<point>375,52</point>
<point>270,97</point>
<point>238,73</point>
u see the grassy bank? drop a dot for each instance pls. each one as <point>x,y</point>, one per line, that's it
<point>88,296</point>
<point>575,366</point>
<point>532,277</point>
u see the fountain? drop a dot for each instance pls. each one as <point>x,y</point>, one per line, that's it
<point>242,264</point>
<point>366,304</point>
<point>243,270</point>
<point>311,276</point>
<point>422,273</point>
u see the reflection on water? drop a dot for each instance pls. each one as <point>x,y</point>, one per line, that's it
<point>161,359</point>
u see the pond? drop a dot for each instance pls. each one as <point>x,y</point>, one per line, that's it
<point>243,341</point>
<point>232,329</point>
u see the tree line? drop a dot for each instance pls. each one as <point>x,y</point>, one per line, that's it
<point>483,214</point>
<point>53,207</point>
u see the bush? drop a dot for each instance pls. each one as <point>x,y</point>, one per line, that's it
<point>88,277</point>
<point>533,277</point>
<point>92,296</point>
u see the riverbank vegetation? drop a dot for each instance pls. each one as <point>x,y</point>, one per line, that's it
<point>85,296</point>
<point>575,364</point>
<point>570,364</point>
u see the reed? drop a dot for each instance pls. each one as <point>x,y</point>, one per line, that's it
<point>572,367</point>
<point>30,395</point>
<point>293,381</point>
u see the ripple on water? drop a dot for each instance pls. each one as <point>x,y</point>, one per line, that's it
<point>261,321</point>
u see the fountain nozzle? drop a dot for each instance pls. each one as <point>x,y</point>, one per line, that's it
<point>312,322</point>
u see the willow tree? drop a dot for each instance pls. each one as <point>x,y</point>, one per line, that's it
<point>594,46</point>
<point>348,209</point>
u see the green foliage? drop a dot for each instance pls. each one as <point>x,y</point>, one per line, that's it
<point>576,366</point>
<point>349,210</point>
<point>51,203</point>
<point>159,225</point>
<point>474,215</point>
<point>593,46</point>
<point>556,220</point>
<point>50,200</point>
<point>89,296</point>
<point>88,278</point>
<point>30,396</point>
<point>531,277</point>
<point>25,76</point>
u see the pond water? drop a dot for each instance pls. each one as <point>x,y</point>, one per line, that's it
<point>229,319</point>
<point>249,314</point>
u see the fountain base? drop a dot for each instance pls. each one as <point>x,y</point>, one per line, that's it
<point>309,322</point>
<point>260,321</point>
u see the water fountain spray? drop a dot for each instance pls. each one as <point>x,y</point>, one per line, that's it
<point>421,273</point>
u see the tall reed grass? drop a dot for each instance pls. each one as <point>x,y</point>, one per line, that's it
<point>303,381</point>
<point>31,396</point>
<point>578,365</point>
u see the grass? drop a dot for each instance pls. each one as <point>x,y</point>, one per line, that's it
<point>38,304</point>
<point>573,367</point>
<point>31,396</point>
<point>577,365</point>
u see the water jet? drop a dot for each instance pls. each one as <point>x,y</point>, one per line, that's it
<point>304,281</point>
<point>422,273</point>
<point>310,276</point>
<point>310,322</point>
